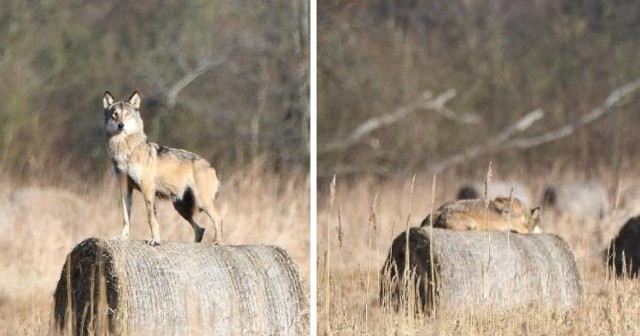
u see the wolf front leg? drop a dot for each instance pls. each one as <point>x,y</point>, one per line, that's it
<point>125,191</point>
<point>149,195</point>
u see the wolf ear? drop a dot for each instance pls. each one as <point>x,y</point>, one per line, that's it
<point>135,100</point>
<point>107,100</point>
<point>501,202</point>
<point>534,221</point>
<point>535,213</point>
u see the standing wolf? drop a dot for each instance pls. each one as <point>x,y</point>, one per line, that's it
<point>186,179</point>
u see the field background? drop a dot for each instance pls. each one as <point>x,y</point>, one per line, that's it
<point>443,88</point>
<point>226,80</point>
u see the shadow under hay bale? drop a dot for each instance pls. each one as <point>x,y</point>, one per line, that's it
<point>623,254</point>
<point>470,272</point>
<point>128,287</point>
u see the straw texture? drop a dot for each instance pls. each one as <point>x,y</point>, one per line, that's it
<point>176,288</point>
<point>464,271</point>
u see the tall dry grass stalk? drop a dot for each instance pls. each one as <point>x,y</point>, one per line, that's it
<point>612,303</point>
<point>42,224</point>
<point>408,272</point>
<point>372,229</point>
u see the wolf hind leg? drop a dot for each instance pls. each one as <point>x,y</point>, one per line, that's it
<point>188,209</point>
<point>206,205</point>
<point>211,212</point>
<point>217,224</point>
<point>207,188</point>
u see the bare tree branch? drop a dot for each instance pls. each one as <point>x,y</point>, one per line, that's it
<point>178,55</point>
<point>424,101</point>
<point>563,131</point>
<point>188,78</point>
<point>491,144</point>
<point>499,142</point>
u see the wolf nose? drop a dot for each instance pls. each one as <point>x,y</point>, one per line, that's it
<point>120,126</point>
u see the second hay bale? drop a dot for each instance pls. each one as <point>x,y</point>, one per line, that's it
<point>463,272</point>
<point>623,253</point>
<point>588,200</point>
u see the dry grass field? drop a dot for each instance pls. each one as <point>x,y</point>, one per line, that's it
<point>42,224</point>
<point>357,223</point>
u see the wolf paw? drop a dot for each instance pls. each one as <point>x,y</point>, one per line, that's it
<point>199,234</point>
<point>121,237</point>
<point>153,242</point>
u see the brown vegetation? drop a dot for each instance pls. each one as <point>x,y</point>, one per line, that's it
<point>176,288</point>
<point>526,84</point>
<point>227,80</point>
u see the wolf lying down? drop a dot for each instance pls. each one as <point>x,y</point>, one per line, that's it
<point>158,172</point>
<point>500,214</point>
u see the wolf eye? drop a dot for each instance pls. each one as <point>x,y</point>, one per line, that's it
<point>115,114</point>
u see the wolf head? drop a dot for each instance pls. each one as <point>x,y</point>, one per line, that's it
<point>122,117</point>
<point>517,210</point>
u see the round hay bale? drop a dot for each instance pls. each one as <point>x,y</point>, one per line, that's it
<point>496,189</point>
<point>177,288</point>
<point>623,254</point>
<point>589,200</point>
<point>468,272</point>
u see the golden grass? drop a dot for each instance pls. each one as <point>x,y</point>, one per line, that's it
<point>355,232</point>
<point>42,224</point>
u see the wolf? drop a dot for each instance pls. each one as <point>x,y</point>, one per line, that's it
<point>500,214</point>
<point>158,172</point>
